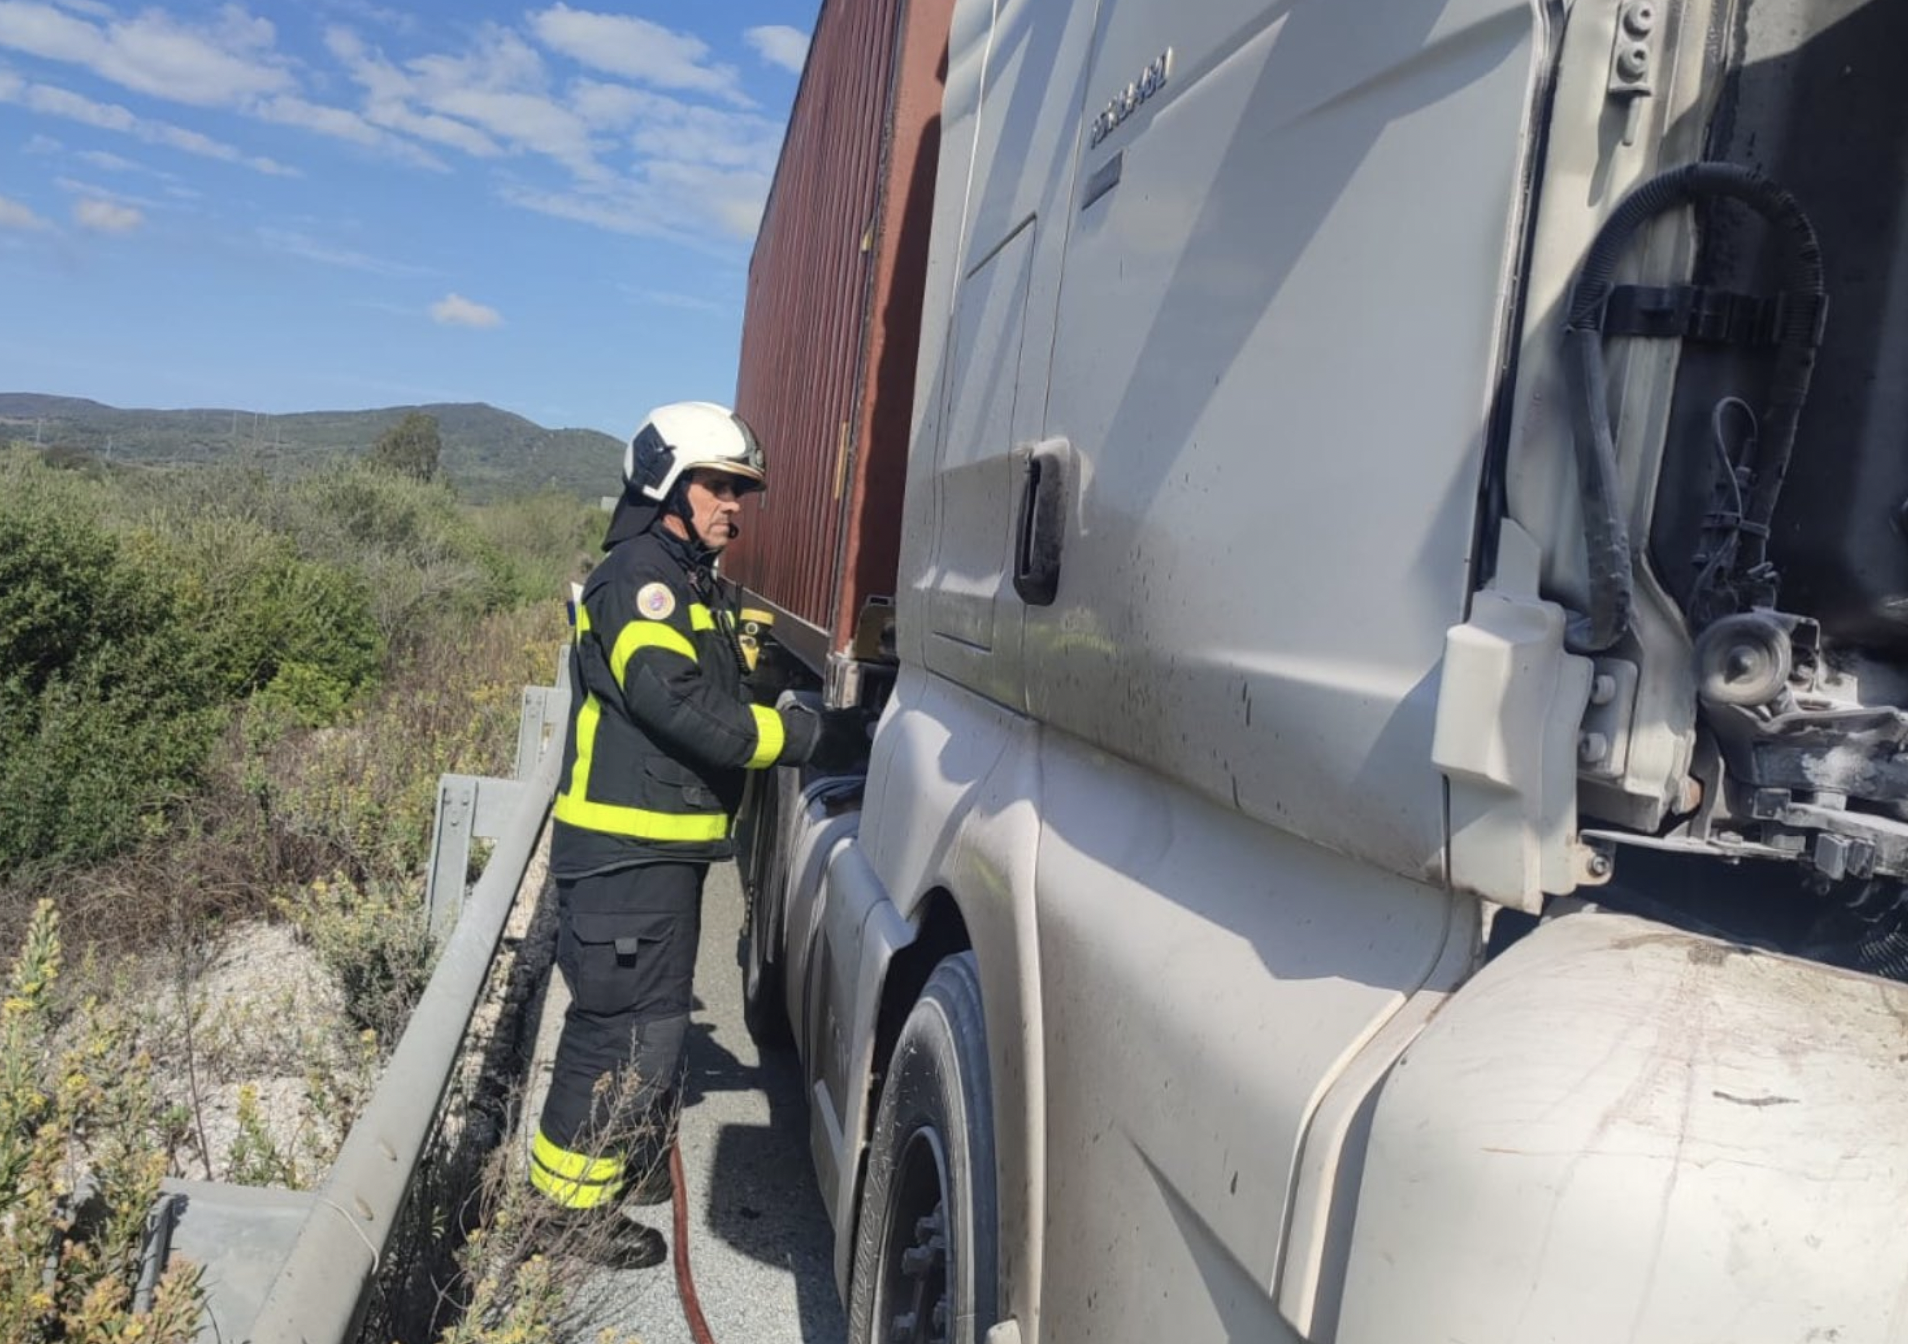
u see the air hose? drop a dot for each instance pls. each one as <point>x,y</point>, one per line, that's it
<point>1803,307</point>
<point>685,1281</point>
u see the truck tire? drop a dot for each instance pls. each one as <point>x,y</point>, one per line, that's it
<point>763,1012</point>
<point>927,1264</point>
<point>763,868</point>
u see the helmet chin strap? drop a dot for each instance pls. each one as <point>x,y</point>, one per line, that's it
<point>678,504</point>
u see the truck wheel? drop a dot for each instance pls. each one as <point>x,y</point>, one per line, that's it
<point>761,863</point>
<point>927,1242</point>
<point>763,1011</point>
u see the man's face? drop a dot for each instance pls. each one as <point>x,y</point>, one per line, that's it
<point>715,506</point>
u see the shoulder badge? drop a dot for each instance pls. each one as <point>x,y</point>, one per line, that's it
<point>655,601</point>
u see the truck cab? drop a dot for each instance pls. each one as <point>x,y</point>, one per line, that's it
<point>1387,818</point>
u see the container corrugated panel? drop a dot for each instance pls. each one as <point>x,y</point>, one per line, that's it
<point>832,325</point>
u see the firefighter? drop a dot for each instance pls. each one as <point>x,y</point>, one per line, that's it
<point>661,733</point>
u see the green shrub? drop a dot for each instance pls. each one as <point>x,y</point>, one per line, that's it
<point>411,447</point>
<point>425,564</point>
<point>299,630</point>
<point>109,702</point>
<point>549,540</point>
<point>366,790</point>
<point>78,1100</point>
<point>374,940</point>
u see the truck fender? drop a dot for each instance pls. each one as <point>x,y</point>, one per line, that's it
<point>858,937</point>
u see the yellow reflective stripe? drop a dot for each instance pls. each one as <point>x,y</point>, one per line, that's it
<point>572,1194</point>
<point>646,634</point>
<point>582,620</point>
<point>586,720</point>
<point>700,617</point>
<point>574,1166</point>
<point>759,616</point>
<point>574,807</point>
<point>640,823</point>
<point>769,737</point>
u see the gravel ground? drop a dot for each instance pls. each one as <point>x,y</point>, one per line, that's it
<point>759,1242</point>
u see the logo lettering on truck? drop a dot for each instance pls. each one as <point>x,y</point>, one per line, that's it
<point>1131,98</point>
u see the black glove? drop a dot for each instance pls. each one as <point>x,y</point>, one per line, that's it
<point>841,748</point>
<point>801,730</point>
<point>834,741</point>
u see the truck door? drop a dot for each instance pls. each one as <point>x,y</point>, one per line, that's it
<point>1013,94</point>
<point>1280,321</point>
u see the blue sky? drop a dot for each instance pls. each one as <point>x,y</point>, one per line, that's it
<point>350,203</point>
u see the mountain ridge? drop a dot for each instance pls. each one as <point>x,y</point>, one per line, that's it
<point>487,451</point>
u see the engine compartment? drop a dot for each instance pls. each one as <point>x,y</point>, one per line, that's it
<point>1780,519</point>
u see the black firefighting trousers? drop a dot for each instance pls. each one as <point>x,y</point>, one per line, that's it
<point>626,944</point>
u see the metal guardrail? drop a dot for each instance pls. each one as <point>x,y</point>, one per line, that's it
<point>320,1293</point>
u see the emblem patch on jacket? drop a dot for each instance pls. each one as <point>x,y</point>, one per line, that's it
<point>655,601</point>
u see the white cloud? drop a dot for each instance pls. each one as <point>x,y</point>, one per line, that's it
<point>681,133</point>
<point>14,215</point>
<point>92,191</point>
<point>636,49</point>
<point>223,64</point>
<point>342,124</point>
<point>683,202</point>
<point>637,160</point>
<point>733,199</point>
<point>438,129</point>
<point>490,100</point>
<point>780,45</point>
<point>294,244</point>
<point>42,144</point>
<point>49,100</point>
<point>499,61</point>
<point>95,8</point>
<point>110,163</point>
<point>333,121</point>
<point>391,93</point>
<point>454,310</point>
<point>227,61</point>
<point>529,121</point>
<point>612,107</point>
<point>106,216</point>
<point>396,20</point>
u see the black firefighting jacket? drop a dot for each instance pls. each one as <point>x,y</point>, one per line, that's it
<point>661,726</point>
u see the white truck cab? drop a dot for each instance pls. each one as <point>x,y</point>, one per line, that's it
<point>1389,824</point>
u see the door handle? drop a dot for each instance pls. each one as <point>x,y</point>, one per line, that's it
<point>1040,528</point>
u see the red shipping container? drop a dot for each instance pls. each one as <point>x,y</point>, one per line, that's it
<point>832,327</point>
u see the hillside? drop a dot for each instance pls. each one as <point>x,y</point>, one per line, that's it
<point>487,452</point>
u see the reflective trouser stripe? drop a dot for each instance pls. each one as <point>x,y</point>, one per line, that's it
<point>574,807</point>
<point>574,1180</point>
<point>769,737</point>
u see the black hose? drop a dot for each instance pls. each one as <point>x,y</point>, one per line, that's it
<point>1805,303</point>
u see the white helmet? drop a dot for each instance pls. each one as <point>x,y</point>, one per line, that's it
<point>685,435</point>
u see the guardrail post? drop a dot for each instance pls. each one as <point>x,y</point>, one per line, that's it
<point>537,723</point>
<point>451,834</point>
<point>476,807</point>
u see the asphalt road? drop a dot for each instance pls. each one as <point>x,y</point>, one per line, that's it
<point>759,1243</point>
